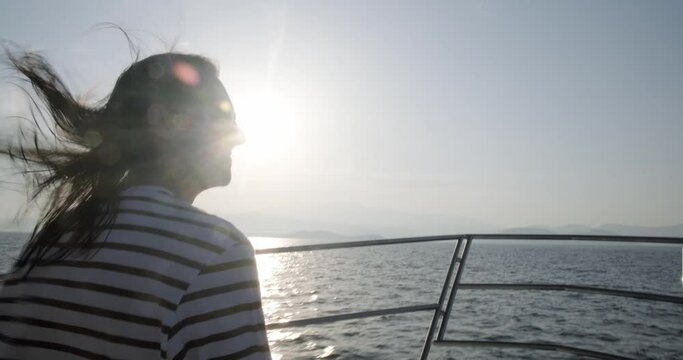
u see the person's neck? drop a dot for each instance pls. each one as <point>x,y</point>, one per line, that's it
<point>181,186</point>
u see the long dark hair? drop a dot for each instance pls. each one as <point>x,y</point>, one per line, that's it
<point>77,155</point>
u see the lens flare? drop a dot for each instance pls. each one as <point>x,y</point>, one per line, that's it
<point>186,73</point>
<point>225,106</point>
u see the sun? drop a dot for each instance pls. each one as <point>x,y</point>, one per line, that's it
<point>267,120</point>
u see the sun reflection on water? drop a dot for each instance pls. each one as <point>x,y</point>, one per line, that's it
<point>264,242</point>
<point>267,265</point>
<point>327,352</point>
<point>276,290</point>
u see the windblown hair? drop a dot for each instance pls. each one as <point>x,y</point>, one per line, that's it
<point>76,155</point>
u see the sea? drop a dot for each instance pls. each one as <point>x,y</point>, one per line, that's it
<point>329,282</point>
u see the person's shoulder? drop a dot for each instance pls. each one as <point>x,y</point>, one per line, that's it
<point>219,230</point>
<point>226,232</point>
<point>228,242</point>
<point>195,222</point>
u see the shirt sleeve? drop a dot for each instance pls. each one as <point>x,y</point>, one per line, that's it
<point>220,314</point>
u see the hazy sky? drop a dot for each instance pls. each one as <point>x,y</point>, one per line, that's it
<point>512,113</point>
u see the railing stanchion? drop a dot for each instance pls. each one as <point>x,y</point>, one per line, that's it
<point>438,311</point>
<point>456,283</point>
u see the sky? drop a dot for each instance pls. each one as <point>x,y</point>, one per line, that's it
<point>472,114</point>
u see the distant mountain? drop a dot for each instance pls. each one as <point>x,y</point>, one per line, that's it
<point>577,229</point>
<point>329,236</point>
<point>664,231</point>
<point>607,229</point>
<point>355,221</point>
<point>15,235</point>
<point>527,230</point>
<point>17,225</point>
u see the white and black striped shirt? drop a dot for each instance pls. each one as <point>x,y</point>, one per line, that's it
<point>169,281</point>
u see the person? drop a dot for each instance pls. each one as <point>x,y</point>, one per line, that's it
<point>121,265</point>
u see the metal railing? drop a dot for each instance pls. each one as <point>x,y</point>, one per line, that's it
<point>452,283</point>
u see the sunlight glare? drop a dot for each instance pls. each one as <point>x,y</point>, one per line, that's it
<point>269,125</point>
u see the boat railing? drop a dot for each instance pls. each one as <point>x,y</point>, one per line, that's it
<point>452,283</point>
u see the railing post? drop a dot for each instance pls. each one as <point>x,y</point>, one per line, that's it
<point>454,290</point>
<point>438,311</point>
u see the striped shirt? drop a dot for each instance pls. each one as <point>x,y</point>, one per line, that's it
<point>169,281</point>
